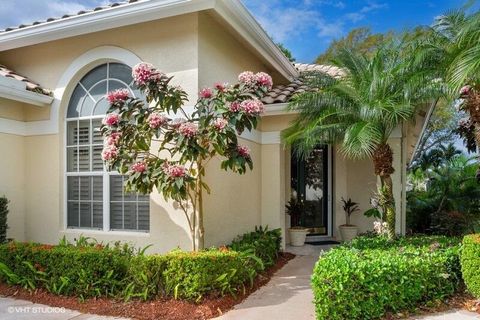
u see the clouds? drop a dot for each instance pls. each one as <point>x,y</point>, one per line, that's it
<point>284,20</point>
<point>287,19</point>
<point>362,13</point>
<point>15,12</point>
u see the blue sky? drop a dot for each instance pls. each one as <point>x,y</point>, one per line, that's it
<point>306,27</point>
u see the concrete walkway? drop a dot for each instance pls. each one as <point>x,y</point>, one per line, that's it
<point>288,294</point>
<point>450,315</point>
<point>13,309</point>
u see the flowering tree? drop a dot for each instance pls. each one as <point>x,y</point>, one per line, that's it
<point>143,142</point>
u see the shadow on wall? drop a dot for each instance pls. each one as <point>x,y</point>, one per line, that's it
<point>168,230</point>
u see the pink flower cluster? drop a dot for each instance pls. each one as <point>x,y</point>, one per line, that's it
<point>206,93</point>
<point>243,151</point>
<point>155,120</point>
<point>109,152</point>
<point>111,119</point>
<point>465,90</point>
<point>234,107</point>
<point>118,96</point>
<point>144,72</point>
<point>139,167</point>
<point>113,139</point>
<point>177,122</point>
<point>220,124</point>
<point>264,80</point>
<point>252,107</point>
<point>188,129</point>
<point>221,86</point>
<point>260,79</point>
<point>174,171</point>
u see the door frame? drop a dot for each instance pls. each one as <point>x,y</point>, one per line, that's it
<point>329,233</point>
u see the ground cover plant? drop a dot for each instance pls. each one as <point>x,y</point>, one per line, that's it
<point>371,276</point>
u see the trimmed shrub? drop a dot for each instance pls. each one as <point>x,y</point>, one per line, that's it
<point>89,269</point>
<point>83,271</point>
<point>3,219</point>
<point>263,243</point>
<point>371,276</point>
<point>470,260</point>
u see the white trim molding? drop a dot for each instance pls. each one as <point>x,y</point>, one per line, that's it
<point>77,68</point>
<point>17,90</point>
<point>267,137</point>
<point>231,11</point>
<point>277,109</point>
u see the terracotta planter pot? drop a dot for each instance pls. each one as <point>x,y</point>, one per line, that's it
<point>297,236</point>
<point>348,233</point>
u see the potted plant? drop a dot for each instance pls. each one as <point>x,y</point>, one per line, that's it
<point>297,233</point>
<point>347,230</point>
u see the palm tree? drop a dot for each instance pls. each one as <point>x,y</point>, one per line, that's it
<point>360,110</point>
<point>451,47</point>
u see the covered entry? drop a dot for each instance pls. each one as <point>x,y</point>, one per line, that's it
<point>310,184</point>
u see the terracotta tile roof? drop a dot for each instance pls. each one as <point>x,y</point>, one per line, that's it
<point>30,85</point>
<point>283,93</point>
<point>111,5</point>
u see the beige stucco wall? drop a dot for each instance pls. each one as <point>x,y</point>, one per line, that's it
<point>198,52</point>
<point>350,178</point>
<point>171,45</point>
<point>186,47</point>
<point>12,182</point>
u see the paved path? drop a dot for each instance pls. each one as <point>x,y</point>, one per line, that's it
<point>13,309</point>
<point>288,294</point>
<point>450,315</point>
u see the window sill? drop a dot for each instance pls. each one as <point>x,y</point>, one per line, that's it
<point>106,233</point>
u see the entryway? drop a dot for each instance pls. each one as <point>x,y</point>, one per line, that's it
<point>310,181</point>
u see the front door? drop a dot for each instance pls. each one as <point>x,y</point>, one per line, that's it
<point>310,186</point>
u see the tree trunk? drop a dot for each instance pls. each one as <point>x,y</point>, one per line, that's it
<point>200,228</point>
<point>383,164</point>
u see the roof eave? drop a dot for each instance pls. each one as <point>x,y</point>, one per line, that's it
<point>16,90</point>
<point>232,11</point>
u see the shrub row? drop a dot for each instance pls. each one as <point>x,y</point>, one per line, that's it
<point>92,270</point>
<point>470,260</point>
<point>371,276</point>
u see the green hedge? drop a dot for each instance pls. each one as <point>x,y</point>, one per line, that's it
<point>470,260</point>
<point>3,219</point>
<point>371,276</point>
<point>92,270</point>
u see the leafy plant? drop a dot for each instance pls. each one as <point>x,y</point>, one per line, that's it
<point>184,145</point>
<point>87,268</point>
<point>444,198</point>
<point>470,260</point>
<point>349,207</point>
<point>295,209</point>
<point>371,276</point>
<point>360,108</point>
<point>3,219</point>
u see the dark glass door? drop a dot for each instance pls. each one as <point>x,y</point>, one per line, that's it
<point>309,183</point>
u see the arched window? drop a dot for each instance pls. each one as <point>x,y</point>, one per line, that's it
<point>95,197</point>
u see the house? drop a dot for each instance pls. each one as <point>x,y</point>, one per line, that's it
<point>54,75</point>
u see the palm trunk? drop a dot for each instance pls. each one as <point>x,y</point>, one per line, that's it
<point>383,164</point>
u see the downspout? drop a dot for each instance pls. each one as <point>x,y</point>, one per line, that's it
<point>424,128</point>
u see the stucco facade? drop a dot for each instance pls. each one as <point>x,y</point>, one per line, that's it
<point>197,49</point>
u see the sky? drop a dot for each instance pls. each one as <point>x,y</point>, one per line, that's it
<point>306,27</point>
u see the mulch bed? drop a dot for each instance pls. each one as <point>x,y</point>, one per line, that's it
<point>165,309</point>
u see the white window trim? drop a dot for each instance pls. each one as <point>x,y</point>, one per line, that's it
<point>80,67</point>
